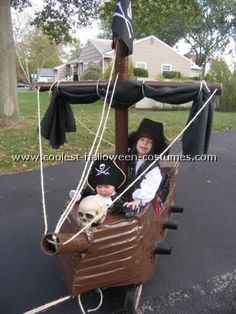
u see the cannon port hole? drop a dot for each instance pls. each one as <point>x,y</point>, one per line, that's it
<point>51,243</point>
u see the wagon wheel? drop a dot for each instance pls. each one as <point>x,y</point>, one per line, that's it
<point>132,298</point>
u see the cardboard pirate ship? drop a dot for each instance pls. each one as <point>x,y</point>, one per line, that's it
<point>121,251</point>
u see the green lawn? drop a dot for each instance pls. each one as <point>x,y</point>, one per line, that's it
<point>23,139</point>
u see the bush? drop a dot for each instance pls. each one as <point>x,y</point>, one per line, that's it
<point>94,72</point>
<point>106,74</point>
<point>140,72</point>
<point>171,74</point>
<point>75,77</point>
<point>220,73</point>
<point>190,78</point>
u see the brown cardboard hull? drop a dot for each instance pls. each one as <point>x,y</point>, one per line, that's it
<point>119,252</point>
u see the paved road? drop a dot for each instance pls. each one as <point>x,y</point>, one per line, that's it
<point>198,277</point>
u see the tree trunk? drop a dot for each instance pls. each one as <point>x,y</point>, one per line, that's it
<point>9,109</point>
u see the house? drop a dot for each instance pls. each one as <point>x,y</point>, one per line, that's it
<point>45,75</point>
<point>96,51</point>
<point>156,56</point>
<point>150,53</point>
<point>49,75</point>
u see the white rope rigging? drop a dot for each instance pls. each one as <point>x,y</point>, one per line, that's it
<point>91,310</point>
<point>156,160</point>
<point>92,132</point>
<point>85,173</point>
<point>85,176</point>
<point>48,305</point>
<point>41,165</point>
<point>53,303</point>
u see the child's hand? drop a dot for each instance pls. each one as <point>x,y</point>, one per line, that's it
<point>134,204</point>
<point>72,194</point>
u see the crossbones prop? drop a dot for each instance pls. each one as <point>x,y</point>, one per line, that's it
<point>90,207</point>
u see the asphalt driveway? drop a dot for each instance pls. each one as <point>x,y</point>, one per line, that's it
<point>198,277</point>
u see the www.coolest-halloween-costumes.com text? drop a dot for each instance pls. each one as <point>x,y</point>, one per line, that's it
<point>103,157</point>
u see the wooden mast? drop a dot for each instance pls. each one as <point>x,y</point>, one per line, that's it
<point>121,115</point>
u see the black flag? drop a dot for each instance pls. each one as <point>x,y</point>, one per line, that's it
<point>121,25</point>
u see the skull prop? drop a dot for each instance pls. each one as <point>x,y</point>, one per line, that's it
<point>90,207</point>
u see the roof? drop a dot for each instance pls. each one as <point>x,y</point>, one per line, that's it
<point>46,72</point>
<point>193,65</point>
<point>75,60</point>
<point>103,45</point>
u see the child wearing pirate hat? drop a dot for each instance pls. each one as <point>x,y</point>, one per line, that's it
<point>145,143</point>
<point>105,179</point>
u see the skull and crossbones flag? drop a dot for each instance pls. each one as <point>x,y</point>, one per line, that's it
<point>121,25</point>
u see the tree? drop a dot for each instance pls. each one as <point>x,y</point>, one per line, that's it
<point>219,72</point>
<point>94,72</point>
<point>164,19</point>
<point>55,19</point>
<point>211,31</point>
<point>9,111</point>
<point>33,49</point>
<point>74,50</point>
<point>206,25</point>
<point>59,17</point>
<point>34,52</point>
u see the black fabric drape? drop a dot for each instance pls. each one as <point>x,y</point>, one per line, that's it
<point>59,117</point>
<point>196,138</point>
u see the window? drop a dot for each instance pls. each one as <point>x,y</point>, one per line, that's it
<point>141,65</point>
<point>166,67</point>
<point>96,63</point>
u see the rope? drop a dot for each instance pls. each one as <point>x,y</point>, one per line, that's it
<point>97,86</point>
<point>53,84</point>
<point>72,202</point>
<point>201,86</point>
<point>48,305</point>
<point>205,84</point>
<point>143,93</point>
<point>58,84</point>
<point>92,132</point>
<point>157,159</point>
<point>91,310</point>
<point>84,174</point>
<point>41,165</point>
<point>200,89</point>
<point>86,171</point>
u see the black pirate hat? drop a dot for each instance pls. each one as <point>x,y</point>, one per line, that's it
<point>151,129</point>
<point>106,171</point>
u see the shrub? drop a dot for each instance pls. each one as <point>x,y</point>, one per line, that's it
<point>220,73</point>
<point>94,72</point>
<point>171,74</point>
<point>190,78</point>
<point>140,72</point>
<point>106,74</point>
<point>75,77</point>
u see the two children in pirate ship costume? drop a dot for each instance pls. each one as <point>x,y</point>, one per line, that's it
<point>106,179</point>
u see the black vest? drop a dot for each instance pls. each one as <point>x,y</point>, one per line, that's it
<point>132,176</point>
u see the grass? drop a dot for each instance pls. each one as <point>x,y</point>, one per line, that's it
<point>23,139</point>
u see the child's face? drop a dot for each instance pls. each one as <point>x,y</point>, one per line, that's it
<point>105,189</point>
<point>144,146</point>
